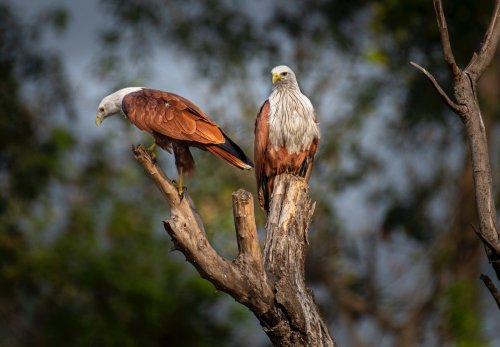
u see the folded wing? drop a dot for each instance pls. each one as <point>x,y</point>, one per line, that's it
<point>179,119</point>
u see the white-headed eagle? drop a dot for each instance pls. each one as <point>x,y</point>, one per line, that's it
<point>175,123</point>
<point>286,134</point>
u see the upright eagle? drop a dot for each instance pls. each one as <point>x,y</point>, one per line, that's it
<point>286,134</point>
<point>175,123</point>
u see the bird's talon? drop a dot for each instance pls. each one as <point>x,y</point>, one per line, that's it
<point>152,148</point>
<point>181,191</point>
<point>151,151</point>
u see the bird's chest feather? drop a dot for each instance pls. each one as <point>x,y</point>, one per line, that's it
<point>291,122</point>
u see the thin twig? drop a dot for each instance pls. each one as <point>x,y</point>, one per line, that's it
<point>455,107</point>
<point>492,288</point>
<point>445,39</point>
<point>481,60</point>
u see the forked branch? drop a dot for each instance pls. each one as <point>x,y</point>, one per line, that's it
<point>272,284</point>
<point>467,107</point>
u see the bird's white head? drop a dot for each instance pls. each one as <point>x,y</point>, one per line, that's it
<point>283,75</point>
<point>112,104</point>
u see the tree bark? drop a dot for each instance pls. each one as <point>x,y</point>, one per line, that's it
<point>271,284</point>
<point>467,108</point>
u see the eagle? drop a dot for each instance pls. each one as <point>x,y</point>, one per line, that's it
<point>286,134</point>
<point>176,124</point>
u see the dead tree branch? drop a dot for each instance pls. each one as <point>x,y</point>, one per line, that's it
<point>456,108</point>
<point>272,284</point>
<point>491,287</point>
<point>445,39</point>
<point>479,62</point>
<point>467,107</point>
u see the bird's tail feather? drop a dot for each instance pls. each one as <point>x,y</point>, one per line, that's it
<point>232,153</point>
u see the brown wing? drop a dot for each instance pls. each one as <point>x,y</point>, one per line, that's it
<point>310,158</point>
<point>170,115</point>
<point>260,148</point>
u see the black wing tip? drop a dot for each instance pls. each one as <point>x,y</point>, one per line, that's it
<point>249,163</point>
<point>231,147</point>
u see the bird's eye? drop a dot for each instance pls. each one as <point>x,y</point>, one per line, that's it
<point>284,73</point>
<point>101,109</point>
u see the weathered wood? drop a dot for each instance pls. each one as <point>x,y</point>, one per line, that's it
<point>186,229</point>
<point>272,284</point>
<point>289,217</point>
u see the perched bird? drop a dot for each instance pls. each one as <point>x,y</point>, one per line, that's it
<point>176,124</point>
<point>286,134</point>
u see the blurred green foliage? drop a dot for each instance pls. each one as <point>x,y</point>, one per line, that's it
<point>460,307</point>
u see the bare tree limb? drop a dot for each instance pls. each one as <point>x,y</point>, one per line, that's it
<point>479,62</point>
<point>445,39</point>
<point>492,288</point>
<point>186,229</point>
<point>464,87</point>
<point>244,219</point>
<point>456,108</point>
<point>272,285</point>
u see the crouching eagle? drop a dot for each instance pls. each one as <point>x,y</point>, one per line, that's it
<point>175,123</point>
<point>286,134</point>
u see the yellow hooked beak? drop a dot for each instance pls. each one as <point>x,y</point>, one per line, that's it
<point>99,118</point>
<point>276,77</point>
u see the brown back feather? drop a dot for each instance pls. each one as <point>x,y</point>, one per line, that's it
<point>176,122</point>
<point>170,115</point>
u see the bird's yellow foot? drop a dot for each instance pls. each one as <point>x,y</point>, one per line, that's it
<point>152,152</point>
<point>180,189</point>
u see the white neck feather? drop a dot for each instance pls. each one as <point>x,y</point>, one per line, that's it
<point>291,85</point>
<point>117,97</point>
<point>113,102</point>
<point>292,122</point>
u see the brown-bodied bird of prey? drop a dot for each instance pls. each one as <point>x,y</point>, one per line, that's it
<point>286,134</point>
<point>175,123</point>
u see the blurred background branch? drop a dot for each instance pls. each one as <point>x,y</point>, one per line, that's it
<point>464,87</point>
